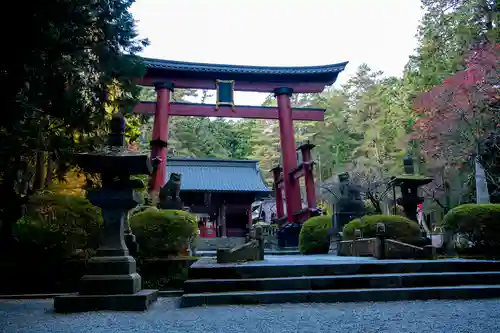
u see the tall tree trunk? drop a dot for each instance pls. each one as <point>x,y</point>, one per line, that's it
<point>482,194</point>
<point>50,170</point>
<point>39,171</point>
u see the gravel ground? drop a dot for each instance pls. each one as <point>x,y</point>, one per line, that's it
<point>36,316</point>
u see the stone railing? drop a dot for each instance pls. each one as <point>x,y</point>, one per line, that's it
<point>381,248</point>
<point>363,247</point>
<point>252,250</point>
<point>399,250</point>
<point>204,244</point>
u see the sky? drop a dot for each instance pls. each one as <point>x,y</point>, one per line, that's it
<point>380,33</point>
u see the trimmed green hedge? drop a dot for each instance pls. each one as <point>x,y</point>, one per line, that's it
<point>314,237</point>
<point>396,227</point>
<point>479,224</point>
<point>58,225</point>
<point>161,233</point>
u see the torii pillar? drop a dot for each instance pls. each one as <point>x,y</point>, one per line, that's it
<point>160,136</point>
<point>288,152</point>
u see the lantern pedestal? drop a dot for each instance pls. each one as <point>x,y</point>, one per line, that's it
<point>112,281</point>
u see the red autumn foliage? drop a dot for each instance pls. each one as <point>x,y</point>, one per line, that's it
<point>460,110</point>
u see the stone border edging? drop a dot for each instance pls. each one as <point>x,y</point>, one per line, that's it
<point>165,293</point>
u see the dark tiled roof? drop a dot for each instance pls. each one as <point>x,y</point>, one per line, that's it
<point>325,73</point>
<point>201,67</point>
<point>217,175</point>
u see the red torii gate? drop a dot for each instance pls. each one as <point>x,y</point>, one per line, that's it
<point>164,75</point>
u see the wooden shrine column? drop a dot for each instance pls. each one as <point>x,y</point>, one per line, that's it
<point>222,220</point>
<point>307,164</point>
<point>160,135</point>
<point>288,151</point>
<point>250,221</point>
<point>278,191</point>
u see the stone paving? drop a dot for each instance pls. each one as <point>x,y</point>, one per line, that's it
<point>36,316</point>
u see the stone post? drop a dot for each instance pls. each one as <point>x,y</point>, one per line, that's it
<point>357,236</point>
<point>380,241</point>
<point>259,237</point>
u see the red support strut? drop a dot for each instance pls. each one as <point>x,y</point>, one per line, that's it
<point>160,135</point>
<point>307,164</point>
<point>288,151</point>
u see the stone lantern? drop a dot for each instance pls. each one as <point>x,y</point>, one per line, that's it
<point>112,281</point>
<point>409,184</point>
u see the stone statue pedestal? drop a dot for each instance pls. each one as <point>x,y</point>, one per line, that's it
<point>350,205</point>
<point>171,204</point>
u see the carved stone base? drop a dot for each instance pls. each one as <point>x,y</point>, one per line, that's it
<point>111,265</point>
<point>110,275</point>
<point>139,301</point>
<point>110,284</point>
<point>288,235</point>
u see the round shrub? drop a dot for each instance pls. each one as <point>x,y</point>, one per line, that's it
<point>58,225</point>
<point>163,233</point>
<point>396,227</point>
<point>314,237</point>
<point>478,224</point>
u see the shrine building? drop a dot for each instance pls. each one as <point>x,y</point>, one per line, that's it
<point>221,191</point>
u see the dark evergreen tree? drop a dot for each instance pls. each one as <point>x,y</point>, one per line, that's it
<point>62,57</point>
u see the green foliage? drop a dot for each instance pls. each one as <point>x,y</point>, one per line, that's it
<point>162,233</point>
<point>478,224</point>
<point>396,227</point>
<point>56,88</point>
<point>314,237</point>
<point>59,224</point>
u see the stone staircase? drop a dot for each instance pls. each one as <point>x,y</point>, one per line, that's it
<point>377,280</point>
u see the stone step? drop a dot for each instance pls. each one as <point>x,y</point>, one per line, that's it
<point>201,270</point>
<point>267,252</point>
<point>347,295</point>
<point>361,281</point>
